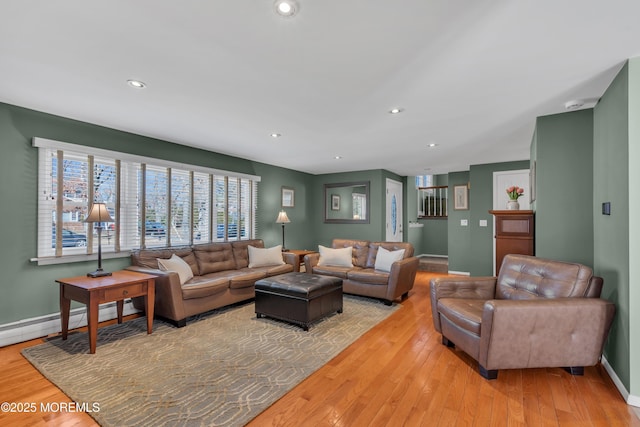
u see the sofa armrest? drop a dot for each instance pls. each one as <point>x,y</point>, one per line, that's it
<point>560,332</point>
<point>401,277</point>
<point>310,261</point>
<point>291,258</point>
<point>168,300</point>
<point>459,287</point>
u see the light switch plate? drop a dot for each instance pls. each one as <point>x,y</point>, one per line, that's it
<point>464,222</point>
<point>483,223</point>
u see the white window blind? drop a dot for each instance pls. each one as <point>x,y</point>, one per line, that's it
<point>154,203</point>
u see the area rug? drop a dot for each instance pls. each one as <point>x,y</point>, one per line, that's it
<point>222,369</point>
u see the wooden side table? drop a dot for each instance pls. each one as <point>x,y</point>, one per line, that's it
<point>301,253</point>
<point>99,290</point>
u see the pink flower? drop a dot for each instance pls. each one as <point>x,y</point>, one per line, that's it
<point>514,192</point>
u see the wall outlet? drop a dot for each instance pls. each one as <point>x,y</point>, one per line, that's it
<point>464,222</point>
<point>483,223</point>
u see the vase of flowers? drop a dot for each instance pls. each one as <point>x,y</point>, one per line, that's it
<point>514,192</point>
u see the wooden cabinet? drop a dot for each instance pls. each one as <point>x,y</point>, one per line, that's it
<point>514,234</point>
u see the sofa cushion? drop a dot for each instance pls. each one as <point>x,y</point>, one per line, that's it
<point>177,264</point>
<point>328,270</point>
<point>200,287</point>
<point>465,313</point>
<point>386,258</point>
<point>148,258</point>
<point>213,257</point>
<point>263,257</point>
<point>390,246</point>
<point>241,251</point>
<point>340,257</point>
<point>274,270</point>
<point>360,250</point>
<point>368,276</point>
<point>245,277</point>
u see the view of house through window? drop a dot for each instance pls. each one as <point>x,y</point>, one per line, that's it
<point>153,203</point>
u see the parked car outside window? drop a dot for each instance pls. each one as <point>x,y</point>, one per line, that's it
<point>153,228</point>
<point>232,231</point>
<point>70,239</point>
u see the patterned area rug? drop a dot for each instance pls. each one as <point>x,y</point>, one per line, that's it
<point>222,369</point>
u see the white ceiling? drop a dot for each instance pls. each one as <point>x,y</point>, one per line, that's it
<point>471,75</point>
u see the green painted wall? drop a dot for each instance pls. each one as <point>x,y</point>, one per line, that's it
<point>323,234</point>
<point>29,289</point>
<point>634,227</point>
<point>480,257</point>
<point>611,233</point>
<point>459,237</point>
<point>564,193</point>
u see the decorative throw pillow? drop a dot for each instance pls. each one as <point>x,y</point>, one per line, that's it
<point>263,257</point>
<point>385,258</point>
<point>335,257</point>
<point>177,264</point>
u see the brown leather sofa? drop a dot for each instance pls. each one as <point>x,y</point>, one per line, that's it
<point>222,276</point>
<point>362,279</point>
<point>537,313</point>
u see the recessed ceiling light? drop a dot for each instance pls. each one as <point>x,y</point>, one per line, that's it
<point>286,8</point>
<point>276,135</point>
<point>137,84</point>
<point>431,145</point>
<point>396,110</point>
<point>337,157</point>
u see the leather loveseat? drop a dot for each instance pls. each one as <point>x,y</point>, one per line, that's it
<point>221,276</point>
<point>537,313</point>
<point>362,278</point>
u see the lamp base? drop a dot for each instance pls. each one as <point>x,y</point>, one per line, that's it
<point>99,273</point>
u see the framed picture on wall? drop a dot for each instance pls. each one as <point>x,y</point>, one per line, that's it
<point>460,197</point>
<point>288,197</point>
<point>335,202</point>
<point>532,182</point>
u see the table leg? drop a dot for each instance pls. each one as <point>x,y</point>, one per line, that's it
<point>92,319</point>
<point>149,300</point>
<point>65,307</point>
<point>119,309</point>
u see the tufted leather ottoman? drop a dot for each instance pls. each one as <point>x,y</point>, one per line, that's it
<point>298,298</point>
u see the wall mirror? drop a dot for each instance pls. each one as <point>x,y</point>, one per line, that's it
<point>346,203</point>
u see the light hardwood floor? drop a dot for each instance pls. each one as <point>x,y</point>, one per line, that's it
<point>398,374</point>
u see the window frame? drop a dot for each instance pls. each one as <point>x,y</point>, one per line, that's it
<point>130,190</point>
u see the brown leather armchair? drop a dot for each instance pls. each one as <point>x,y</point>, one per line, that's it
<point>537,313</point>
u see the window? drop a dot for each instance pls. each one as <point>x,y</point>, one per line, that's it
<point>424,181</point>
<point>154,203</point>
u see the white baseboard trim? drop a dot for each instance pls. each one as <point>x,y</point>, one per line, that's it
<point>36,327</point>
<point>629,398</point>
<point>432,256</point>
<point>460,273</point>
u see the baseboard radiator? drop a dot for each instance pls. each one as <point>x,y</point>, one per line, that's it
<point>42,326</point>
